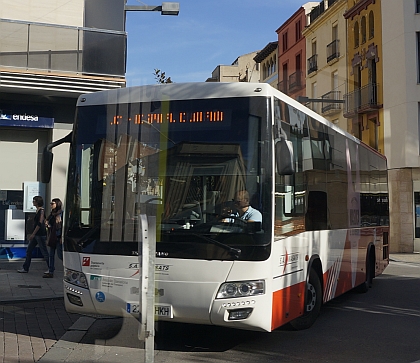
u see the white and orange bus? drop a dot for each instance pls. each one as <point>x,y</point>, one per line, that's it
<point>180,153</point>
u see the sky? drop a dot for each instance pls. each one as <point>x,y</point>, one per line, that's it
<point>205,34</point>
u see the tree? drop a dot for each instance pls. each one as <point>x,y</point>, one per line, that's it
<point>161,77</point>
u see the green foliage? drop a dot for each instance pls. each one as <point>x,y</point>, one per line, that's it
<point>161,77</point>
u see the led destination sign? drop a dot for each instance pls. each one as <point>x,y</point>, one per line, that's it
<point>203,117</point>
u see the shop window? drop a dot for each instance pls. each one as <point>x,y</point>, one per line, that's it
<point>417,214</point>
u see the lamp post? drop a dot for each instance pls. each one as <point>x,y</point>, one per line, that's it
<point>147,234</point>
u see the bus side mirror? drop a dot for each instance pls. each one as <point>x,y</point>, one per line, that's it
<point>284,157</point>
<point>46,165</point>
<point>47,158</point>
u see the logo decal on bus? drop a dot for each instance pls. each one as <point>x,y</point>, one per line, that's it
<point>288,259</point>
<point>162,267</point>
<point>162,254</point>
<point>86,261</point>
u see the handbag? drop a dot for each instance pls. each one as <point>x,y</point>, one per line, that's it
<point>52,237</point>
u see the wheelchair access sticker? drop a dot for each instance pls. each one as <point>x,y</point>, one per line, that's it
<point>100,296</point>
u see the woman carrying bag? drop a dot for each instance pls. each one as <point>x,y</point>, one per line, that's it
<point>55,225</point>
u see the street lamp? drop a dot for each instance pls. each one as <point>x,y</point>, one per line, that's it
<point>167,8</point>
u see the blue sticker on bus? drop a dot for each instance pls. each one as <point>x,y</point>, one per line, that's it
<point>100,296</point>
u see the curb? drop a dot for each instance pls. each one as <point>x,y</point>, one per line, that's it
<point>62,349</point>
<point>36,299</point>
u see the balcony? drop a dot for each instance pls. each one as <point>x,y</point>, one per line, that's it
<point>329,108</point>
<point>57,49</point>
<point>313,64</point>
<point>295,81</point>
<point>317,11</point>
<point>333,52</point>
<point>362,100</point>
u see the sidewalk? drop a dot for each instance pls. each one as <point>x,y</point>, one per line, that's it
<point>405,257</point>
<point>90,339</point>
<point>16,286</point>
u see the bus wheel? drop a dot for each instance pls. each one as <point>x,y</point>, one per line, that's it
<point>312,303</point>
<point>364,287</point>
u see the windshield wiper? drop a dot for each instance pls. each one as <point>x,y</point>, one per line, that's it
<point>234,252</point>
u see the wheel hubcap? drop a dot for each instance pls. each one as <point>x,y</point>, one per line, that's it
<point>311,298</point>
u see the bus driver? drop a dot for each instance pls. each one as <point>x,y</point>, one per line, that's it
<point>243,210</point>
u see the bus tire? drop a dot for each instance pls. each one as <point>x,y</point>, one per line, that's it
<point>367,284</point>
<point>313,302</point>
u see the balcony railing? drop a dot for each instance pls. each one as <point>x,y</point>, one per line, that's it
<point>295,81</point>
<point>331,107</point>
<point>333,51</point>
<point>58,48</point>
<point>362,100</point>
<point>317,11</point>
<point>313,64</point>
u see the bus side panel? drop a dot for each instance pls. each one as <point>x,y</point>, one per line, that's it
<point>381,249</point>
<point>348,271</point>
<point>288,304</point>
<point>289,270</point>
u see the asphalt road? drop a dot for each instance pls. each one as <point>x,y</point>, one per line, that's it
<point>382,325</point>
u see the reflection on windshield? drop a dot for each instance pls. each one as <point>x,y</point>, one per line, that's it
<point>189,186</point>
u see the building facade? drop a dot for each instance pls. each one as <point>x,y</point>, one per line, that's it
<point>50,53</point>
<point>243,69</point>
<point>326,59</point>
<point>364,98</point>
<point>401,120</point>
<point>267,60</point>
<point>292,52</point>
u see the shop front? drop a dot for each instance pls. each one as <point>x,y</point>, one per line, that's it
<point>22,139</point>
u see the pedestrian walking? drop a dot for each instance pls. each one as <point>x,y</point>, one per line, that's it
<point>54,242</point>
<point>38,236</point>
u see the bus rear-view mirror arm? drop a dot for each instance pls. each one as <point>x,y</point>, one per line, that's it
<point>47,157</point>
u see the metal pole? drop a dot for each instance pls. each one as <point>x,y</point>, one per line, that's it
<point>147,252</point>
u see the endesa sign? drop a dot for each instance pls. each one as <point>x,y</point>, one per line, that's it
<point>25,120</point>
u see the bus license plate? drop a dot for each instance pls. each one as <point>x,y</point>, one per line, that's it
<point>161,310</point>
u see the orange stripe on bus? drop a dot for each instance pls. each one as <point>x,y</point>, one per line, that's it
<point>288,304</point>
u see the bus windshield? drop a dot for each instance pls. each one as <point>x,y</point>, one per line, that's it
<point>184,163</point>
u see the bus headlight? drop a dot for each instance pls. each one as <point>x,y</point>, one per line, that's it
<point>75,278</point>
<point>241,289</point>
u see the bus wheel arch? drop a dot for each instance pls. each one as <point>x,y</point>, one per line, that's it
<point>369,268</point>
<point>313,297</point>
